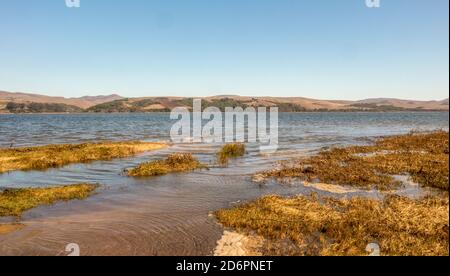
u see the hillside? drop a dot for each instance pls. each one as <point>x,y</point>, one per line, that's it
<point>32,103</point>
<point>284,104</point>
<point>408,104</point>
<point>41,108</point>
<point>83,102</point>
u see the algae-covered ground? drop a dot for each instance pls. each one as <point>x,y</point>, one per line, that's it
<point>228,151</point>
<point>13,202</point>
<point>184,162</point>
<point>313,225</point>
<point>54,156</point>
<point>310,225</point>
<point>181,162</point>
<point>422,156</point>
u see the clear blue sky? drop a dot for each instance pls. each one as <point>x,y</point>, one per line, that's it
<point>327,49</point>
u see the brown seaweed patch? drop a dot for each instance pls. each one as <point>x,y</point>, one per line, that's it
<point>423,156</point>
<point>181,162</point>
<point>329,227</point>
<point>230,151</point>
<point>13,202</point>
<point>55,156</point>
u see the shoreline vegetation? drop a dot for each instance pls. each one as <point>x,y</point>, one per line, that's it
<point>174,163</point>
<point>13,202</point>
<point>424,157</point>
<point>312,225</point>
<point>326,226</point>
<point>55,156</point>
<point>229,151</point>
<point>184,162</point>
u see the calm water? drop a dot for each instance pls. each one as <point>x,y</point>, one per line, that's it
<point>26,130</point>
<point>165,215</point>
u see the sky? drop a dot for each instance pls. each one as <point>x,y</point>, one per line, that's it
<point>324,49</point>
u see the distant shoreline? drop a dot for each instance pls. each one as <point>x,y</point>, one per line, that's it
<point>292,112</point>
<point>19,103</point>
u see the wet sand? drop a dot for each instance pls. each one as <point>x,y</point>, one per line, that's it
<point>235,244</point>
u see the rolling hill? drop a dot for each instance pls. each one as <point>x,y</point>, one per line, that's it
<point>83,102</point>
<point>163,104</point>
<point>33,103</point>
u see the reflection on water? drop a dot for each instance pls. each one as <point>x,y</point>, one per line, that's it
<point>165,215</point>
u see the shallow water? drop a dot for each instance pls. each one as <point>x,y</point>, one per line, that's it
<point>166,215</point>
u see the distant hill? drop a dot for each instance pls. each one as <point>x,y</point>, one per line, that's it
<point>408,104</point>
<point>32,103</point>
<point>284,104</point>
<point>95,100</point>
<point>12,107</point>
<point>83,102</point>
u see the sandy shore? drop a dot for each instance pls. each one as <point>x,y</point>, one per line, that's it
<point>236,244</point>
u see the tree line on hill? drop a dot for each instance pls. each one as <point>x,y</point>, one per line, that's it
<point>165,105</point>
